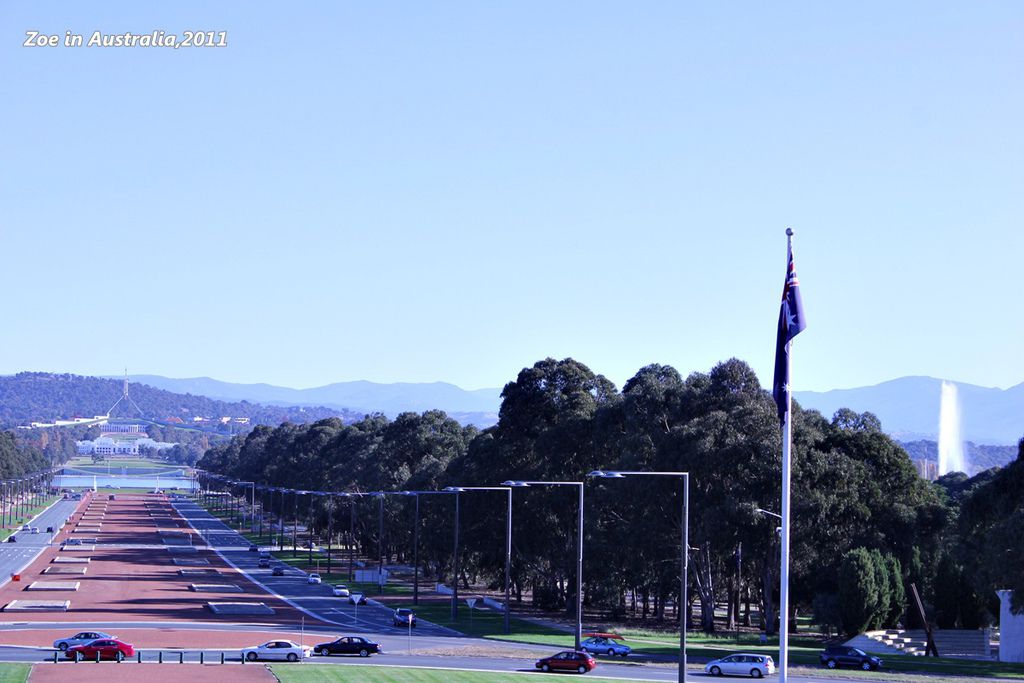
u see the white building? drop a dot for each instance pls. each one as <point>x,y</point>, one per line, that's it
<point>1011,631</point>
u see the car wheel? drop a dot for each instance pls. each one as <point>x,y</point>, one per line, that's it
<point>62,647</point>
<point>583,649</point>
<point>545,668</point>
<point>866,666</point>
<point>831,663</point>
<point>323,652</point>
<point>610,652</point>
<point>755,673</point>
<point>581,669</point>
<point>118,656</point>
<point>364,653</point>
<point>292,657</point>
<point>715,671</point>
<point>252,656</point>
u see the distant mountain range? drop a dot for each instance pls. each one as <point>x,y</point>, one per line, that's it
<point>909,408</point>
<point>478,407</point>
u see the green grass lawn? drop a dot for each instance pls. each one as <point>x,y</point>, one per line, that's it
<point>14,673</point>
<point>87,463</point>
<point>357,673</point>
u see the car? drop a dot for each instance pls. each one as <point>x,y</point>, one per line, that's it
<point>253,548</point>
<point>265,553</point>
<point>835,656</point>
<point>356,599</point>
<point>313,578</point>
<point>603,645</point>
<point>347,645</point>
<point>263,563</point>
<point>742,664</point>
<point>403,617</point>
<point>26,527</point>
<point>12,539</point>
<point>341,591</point>
<point>284,650</point>
<point>106,648</point>
<point>80,638</point>
<point>34,530</point>
<point>277,571</point>
<point>580,662</point>
<point>73,541</point>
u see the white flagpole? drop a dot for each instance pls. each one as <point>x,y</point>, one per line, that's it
<point>787,438</point>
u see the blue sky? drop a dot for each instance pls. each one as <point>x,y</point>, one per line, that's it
<point>451,191</point>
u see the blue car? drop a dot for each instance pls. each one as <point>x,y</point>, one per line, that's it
<point>605,646</point>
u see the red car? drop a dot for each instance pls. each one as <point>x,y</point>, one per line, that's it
<point>107,647</point>
<point>580,662</point>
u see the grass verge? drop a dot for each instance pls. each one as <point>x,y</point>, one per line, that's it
<point>14,673</point>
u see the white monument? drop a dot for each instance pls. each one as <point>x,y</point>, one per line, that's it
<point>1011,631</point>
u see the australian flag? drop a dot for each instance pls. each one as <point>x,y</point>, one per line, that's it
<point>791,323</point>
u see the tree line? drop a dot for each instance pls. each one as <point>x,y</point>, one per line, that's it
<point>862,519</point>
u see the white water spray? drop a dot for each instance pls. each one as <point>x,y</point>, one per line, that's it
<point>951,446</point>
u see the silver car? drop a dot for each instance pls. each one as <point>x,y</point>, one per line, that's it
<point>277,649</point>
<point>82,638</point>
<point>743,664</point>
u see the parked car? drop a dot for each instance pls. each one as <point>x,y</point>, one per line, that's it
<point>80,639</point>
<point>264,563</point>
<point>580,662</point>
<point>348,645</point>
<point>284,650</point>
<point>106,648</point>
<point>840,655</point>
<point>341,591</point>
<point>277,571</point>
<point>354,597</point>
<point>313,578</point>
<point>403,617</point>
<point>742,664</point>
<point>601,645</point>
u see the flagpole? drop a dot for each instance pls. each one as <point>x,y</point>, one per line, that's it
<point>787,438</point>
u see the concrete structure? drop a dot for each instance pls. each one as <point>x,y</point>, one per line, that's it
<point>240,608</point>
<point>1011,630</point>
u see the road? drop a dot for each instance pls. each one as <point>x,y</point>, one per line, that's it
<point>315,600</point>
<point>16,556</point>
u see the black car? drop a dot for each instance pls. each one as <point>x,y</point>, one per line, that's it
<point>253,547</point>
<point>277,571</point>
<point>842,655</point>
<point>348,645</point>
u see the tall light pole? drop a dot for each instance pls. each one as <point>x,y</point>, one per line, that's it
<point>508,540</point>
<point>416,539</point>
<point>579,544</point>
<point>684,554</point>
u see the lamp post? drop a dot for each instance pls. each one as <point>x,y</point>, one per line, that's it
<point>508,541</point>
<point>684,555</point>
<point>416,539</point>
<point>579,544</point>
<point>252,508</point>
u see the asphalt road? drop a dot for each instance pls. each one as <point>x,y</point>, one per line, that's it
<point>316,600</point>
<point>16,556</point>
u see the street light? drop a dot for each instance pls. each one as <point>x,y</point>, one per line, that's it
<point>416,540</point>
<point>579,544</point>
<point>684,556</point>
<point>508,540</point>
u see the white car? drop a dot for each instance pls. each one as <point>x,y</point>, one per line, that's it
<point>313,578</point>
<point>82,638</point>
<point>284,650</point>
<point>742,664</point>
<point>341,591</point>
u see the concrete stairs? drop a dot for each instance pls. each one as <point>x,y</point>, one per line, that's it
<point>963,644</point>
